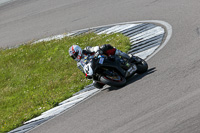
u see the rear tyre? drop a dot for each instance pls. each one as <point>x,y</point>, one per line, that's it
<point>119,81</point>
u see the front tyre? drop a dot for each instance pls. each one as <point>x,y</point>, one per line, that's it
<point>116,80</point>
<point>142,66</point>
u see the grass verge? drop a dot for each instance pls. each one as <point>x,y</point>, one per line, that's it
<point>36,77</point>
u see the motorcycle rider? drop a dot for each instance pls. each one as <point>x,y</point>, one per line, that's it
<point>77,54</point>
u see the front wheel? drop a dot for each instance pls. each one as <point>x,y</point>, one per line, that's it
<point>115,80</point>
<point>142,66</point>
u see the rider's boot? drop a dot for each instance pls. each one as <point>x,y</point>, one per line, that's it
<point>98,84</point>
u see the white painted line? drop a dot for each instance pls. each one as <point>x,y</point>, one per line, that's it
<point>84,94</point>
<point>64,105</point>
<point>147,34</point>
<point>168,29</point>
<point>124,27</point>
<point>117,28</point>
<point>108,30</point>
<point>145,53</point>
<point>54,111</point>
<point>54,37</point>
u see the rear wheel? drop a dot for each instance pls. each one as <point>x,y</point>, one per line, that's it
<point>113,80</point>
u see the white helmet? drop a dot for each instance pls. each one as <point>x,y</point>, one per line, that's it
<point>75,52</point>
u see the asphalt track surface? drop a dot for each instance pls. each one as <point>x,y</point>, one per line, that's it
<point>164,100</point>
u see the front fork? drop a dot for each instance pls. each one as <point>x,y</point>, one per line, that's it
<point>135,59</point>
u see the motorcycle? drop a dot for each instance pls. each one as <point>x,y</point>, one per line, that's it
<point>113,70</point>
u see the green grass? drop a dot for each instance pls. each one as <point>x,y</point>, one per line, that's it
<point>36,77</point>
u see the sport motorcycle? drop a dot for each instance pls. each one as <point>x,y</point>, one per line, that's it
<point>113,70</point>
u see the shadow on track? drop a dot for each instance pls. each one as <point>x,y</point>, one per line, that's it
<point>133,79</point>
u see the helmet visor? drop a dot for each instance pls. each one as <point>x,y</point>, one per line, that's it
<point>74,56</point>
